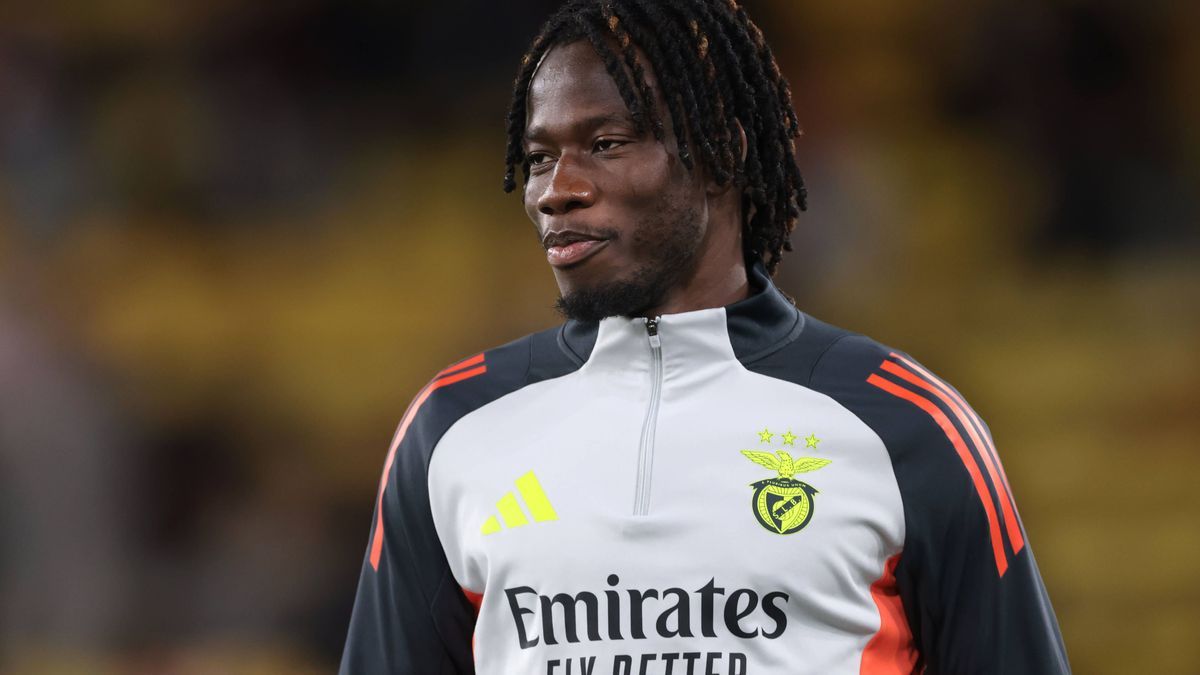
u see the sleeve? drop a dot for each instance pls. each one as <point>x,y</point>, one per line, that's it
<point>967,577</point>
<point>410,617</point>
<point>973,619</point>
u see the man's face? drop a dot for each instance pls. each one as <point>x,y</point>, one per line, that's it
<point>621,217</point>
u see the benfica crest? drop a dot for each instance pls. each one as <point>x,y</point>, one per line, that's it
<point>783,505</point>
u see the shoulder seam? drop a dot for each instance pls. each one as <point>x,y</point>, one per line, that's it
<point>820,358</point>
<point>560,338</point>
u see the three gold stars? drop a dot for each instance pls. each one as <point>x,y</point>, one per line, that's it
<point>788,438</point>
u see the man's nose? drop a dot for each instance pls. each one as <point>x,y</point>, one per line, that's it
<point>567,190</point>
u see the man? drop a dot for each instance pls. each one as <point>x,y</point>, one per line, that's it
<point>690,476</point>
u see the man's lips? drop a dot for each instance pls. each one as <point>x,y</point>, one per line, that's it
<point>566,248</point>
<point>574,253</point>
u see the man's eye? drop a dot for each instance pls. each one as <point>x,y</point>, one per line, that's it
<point>537,158</point>
<point>606,144</point>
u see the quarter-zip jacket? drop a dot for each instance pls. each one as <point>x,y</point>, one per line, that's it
<point>742,490</point>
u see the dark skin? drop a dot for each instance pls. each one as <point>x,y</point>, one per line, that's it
<point>609,201</point>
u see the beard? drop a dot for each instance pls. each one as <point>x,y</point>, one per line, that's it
<point>675,239</point>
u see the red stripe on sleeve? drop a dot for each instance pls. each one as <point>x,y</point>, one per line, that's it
<point>461,365</point>
<point>891,650</point>
<point>422,396</point>
<point>964,455</point>
<point>1019,541</point>
<point>1006,506</point>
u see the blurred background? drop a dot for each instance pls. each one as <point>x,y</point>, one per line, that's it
<point>235,238</point>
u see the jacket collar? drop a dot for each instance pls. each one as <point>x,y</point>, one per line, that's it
<point>757,326</point>
<point>763,322</point>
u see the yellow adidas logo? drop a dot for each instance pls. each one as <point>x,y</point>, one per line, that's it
<point>510,510</point>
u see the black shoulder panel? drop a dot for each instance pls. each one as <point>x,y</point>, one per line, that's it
<point>410,616</point>
<point>794,359</point>
<point>971,589</point>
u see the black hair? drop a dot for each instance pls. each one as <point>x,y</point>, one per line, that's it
<point>716,71</point>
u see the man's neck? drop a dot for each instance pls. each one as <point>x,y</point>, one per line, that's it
<point>712,286</point>
<point>719,277</point>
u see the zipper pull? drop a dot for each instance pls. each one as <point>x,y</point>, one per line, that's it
<point>652,331</point>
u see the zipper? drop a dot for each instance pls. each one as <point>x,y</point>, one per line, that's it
<point>641,492</point>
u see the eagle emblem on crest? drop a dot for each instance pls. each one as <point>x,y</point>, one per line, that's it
<point>782,504</point>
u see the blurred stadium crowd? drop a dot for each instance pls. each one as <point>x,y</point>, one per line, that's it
<point>236,237</point>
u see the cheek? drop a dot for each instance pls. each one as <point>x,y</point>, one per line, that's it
<point>654,179</point>
<point>664,186</point>
<point>529,199</point>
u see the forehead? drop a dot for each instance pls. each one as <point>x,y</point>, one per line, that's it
<point>572,84</point>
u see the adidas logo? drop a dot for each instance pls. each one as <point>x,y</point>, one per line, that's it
<point>510,510</point>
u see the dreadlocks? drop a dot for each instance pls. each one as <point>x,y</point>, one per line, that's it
<point>716,71</point>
